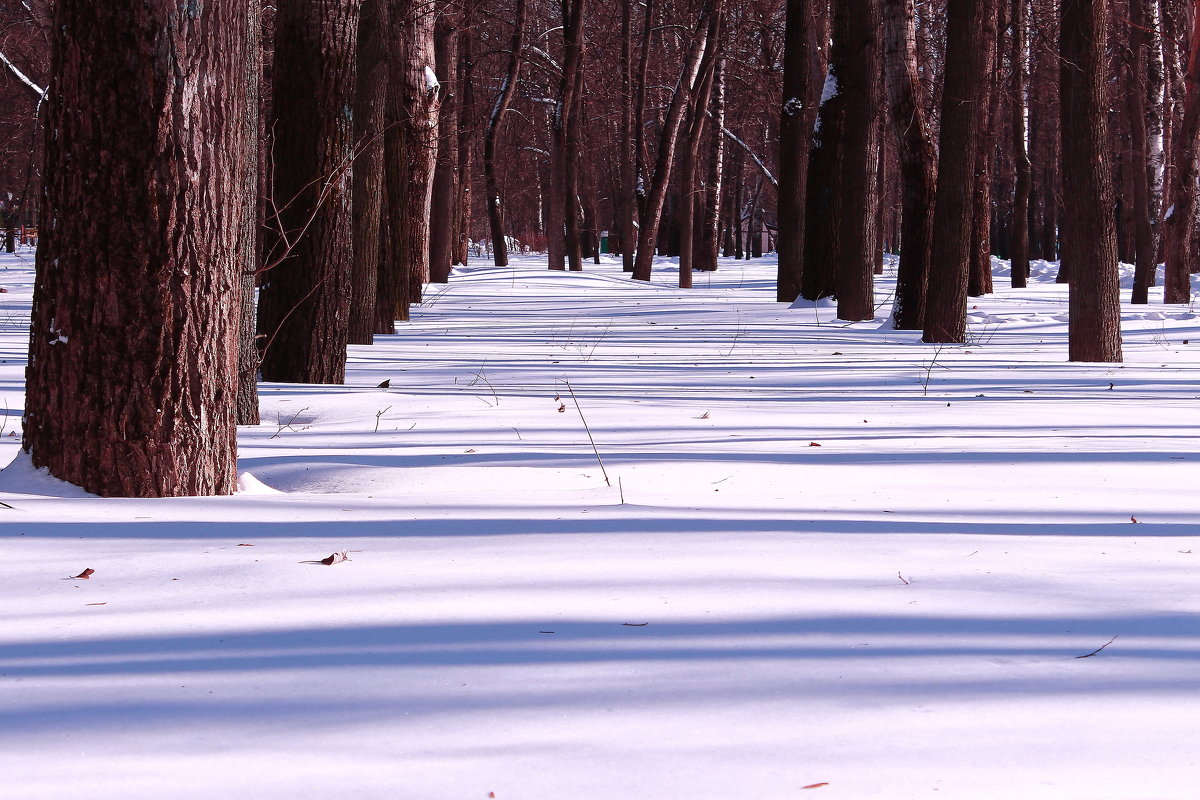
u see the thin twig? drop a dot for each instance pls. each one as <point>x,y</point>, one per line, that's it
<point>588,431</point>
<point>1098,649</point>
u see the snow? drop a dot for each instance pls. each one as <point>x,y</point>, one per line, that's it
<point>831,554</point>
<point>431,81</point>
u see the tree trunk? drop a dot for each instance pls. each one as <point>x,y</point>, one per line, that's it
<point>979,275</point>
<point>255,214</point>
<point>370,103</point>
<point>1089,231</point>
<point>856,39</point>
<point>304,304</point>
<point>503,99</point>
<point>1018,231</point>
<point>133,348</point>
<point>445,193</point>
<point>562,231</point>
<point>466,140</point>
<point>1137,89</point>
<point>918,163</point>
<point>702,49</point>
<point>706,253</point>
<point>795,137</point>
<point>970,26</point>
<point>697,116</point>
<point>411,144</point>
<point>1180,218</point>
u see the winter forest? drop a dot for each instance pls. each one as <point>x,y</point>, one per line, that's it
<point>639,400</point>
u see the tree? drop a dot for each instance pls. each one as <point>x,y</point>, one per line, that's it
<point>370,101</point>
<point>1018,232</point>
<point>133,348</point>
<point>562,223</point>
<point>304,303</point>
<point>1089,248</point>
<point>1185,147</point>
<point>411,143</point>
<point>918,162</point>
<point>795,134</point>
<point>499,108</point>
<point>970,25</point>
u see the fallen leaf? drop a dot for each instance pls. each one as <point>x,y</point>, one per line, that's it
<point>87,573</point>
<point>813,444</point>
<point>635,624</point>
<point>243,544</point>
<point>815,785</point>
<point>335,558</point>
<point>97,604</point>
<point>562,407</point>
<point>385,384</point>
<point>1133,519</point>
<point>703,416</point>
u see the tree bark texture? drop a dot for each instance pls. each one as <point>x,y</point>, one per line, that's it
<point>795,136</point>
<point>133,348</point>
<point>918,162</point>
<point>411,144</point>
<point>706,248</point>
<point>304,303</point>
<point>970,25</point>
<point>1185,146</point>
<point>257,106</point>
<point>1136,94</point>
<point>370,101</point>
<point>445,195</point>
<point>1089,231</point>
<point>856,48</point>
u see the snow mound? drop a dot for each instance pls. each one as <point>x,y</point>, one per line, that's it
<point>21,478</point>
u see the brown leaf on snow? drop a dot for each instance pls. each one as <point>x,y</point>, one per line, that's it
<point>562,407</point>
<point>815,785</point>
<point>87,573</point>
<point>97,604</point>
<point>1133,519</point>
<point>813,444</point>
<point>243,544</point>
<point>334,558</point>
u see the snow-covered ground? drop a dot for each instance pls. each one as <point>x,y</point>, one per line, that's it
<point>831,558</point>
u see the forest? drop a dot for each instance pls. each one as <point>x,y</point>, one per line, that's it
<point>326,160</point>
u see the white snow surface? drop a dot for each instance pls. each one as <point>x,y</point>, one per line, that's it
<point>831,556</point>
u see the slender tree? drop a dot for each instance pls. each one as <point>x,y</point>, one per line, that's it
<point>1185,147</point>
<point>503,100</point>
<point>1018,232</point>
<point>133,348</point>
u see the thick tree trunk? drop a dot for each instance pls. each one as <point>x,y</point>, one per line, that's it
<point>979,275</point>
<point>562,231</point>
<point>411,144</point>
<point>688,164</point>
<point>856,49</point>
<point>304,304</point>
<point>795,138</point>
<point>970,26</point>
<point>370,103</point>
<point>1185,144</point>
<point>133,349</point>
<point>442,211</point>
<point>1089,231</point>
<point>1018,231</point>
<point>918,163</point>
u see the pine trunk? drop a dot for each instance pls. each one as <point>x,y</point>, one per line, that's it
<point>370,103</point>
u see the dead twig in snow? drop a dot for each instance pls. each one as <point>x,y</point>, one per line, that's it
<point>1098,649</point>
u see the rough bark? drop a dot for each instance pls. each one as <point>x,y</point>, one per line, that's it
<point>254,197</point>
<point>133,349</point>
<point>370,101</point>
<point>856,48</point>
<point>304,303</point>
<point>918,162</point>
<point>411,144</point>
<point>562,229</point>
<point>1185,146</point>
<point>445,193</point>
<point>969,24</point>
<point>688,164</point>
<point>1089,246</point>
<point>795,137</point>
<point>706,248</point>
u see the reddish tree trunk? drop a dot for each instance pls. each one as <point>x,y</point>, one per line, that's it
<point>133,349</point>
